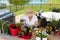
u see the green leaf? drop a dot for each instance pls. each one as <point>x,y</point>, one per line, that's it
<point>5,26</point>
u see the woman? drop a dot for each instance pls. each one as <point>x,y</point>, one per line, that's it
<point>30,18</point>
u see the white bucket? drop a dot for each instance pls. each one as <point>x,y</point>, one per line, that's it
<point>38,38</point>
<point>44,39</point>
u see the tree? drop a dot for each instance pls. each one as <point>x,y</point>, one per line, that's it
<point>19,2</point>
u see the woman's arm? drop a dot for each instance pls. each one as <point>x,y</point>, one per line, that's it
<point>36,21</point>
<point>36,24</point>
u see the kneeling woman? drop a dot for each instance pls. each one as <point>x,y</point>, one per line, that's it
<point>30,18</point>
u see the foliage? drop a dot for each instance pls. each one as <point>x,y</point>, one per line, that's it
<point>5,26</point>
<point>22,22</point>
<point>16,25</point>
<point>19,2</point>
<point>43,35</point>
<point>56,9</point>
<point>1,22</point>
<point>54,23</point>
<point>21,33</point>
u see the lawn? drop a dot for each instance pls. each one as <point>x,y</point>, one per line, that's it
<point>46,7</point>
<point>20,11</point>
<point>54,2</point>
<point>34,7</point>
<point>37,8</point>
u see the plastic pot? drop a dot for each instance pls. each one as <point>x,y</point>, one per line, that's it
<point>14,32</point>
<point>26,37</point>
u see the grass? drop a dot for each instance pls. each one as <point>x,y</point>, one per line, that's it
<point>34,7</point>
<point>20,12</point>
<point>54,2</point>
<point>46,7</point>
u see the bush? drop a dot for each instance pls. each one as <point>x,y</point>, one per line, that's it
<point>54,23</point>
<point>5,26</point>
<point>55,10</point>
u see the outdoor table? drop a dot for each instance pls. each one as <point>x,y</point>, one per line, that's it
<point>6,37</point>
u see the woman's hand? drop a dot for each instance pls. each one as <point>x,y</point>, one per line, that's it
<point>36,24</point>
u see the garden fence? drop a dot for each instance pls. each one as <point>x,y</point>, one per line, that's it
<point>46,7</point>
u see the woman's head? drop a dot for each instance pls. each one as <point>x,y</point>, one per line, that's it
<point>30,12</point>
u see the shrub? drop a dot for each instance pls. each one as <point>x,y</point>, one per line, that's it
<point>54,23</point>
<point>5,26</point>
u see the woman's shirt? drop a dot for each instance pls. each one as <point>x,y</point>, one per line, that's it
<point>28,22</point>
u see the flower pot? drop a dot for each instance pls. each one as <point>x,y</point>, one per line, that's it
<point>44,38</point>
<point>29,34</point>
<point>59,33</point>
<point>26,37</point>
<point>38,38</point>
<point>23,37</point>
<point>14,32</point>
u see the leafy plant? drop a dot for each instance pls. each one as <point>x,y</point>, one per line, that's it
<point>22,22</point>
<point>1,22</point>
<point>40,34</point>
<point>21,33</point>
<point>16,26</point>
<point>5,26</point>
<point>54,23</point>
<point>55,10</point>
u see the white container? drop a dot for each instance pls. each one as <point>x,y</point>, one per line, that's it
<point>44,39</point>
<point>38,38</point>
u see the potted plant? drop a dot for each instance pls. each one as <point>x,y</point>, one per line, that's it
<point>14,29</point>
<point>41,35</point>
<point>29,31</point>
<point>54,23</point>
<point>1,22</point>
<point>20,33</point>
<point>4,26</point>
<point>22,22</point>
<point>55,10</point>
<point>24,33</point>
